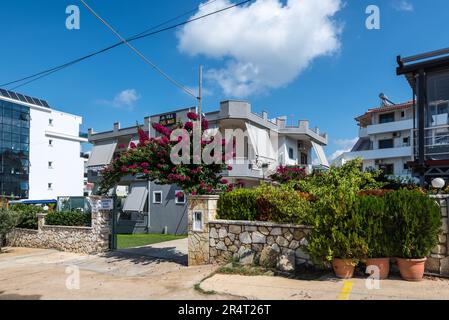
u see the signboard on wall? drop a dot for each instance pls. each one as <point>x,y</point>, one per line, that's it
<point>168,119</point>
<point>107,204</point>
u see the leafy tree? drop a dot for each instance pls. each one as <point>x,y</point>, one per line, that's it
<point>8,220</point>
<point>150,160</point>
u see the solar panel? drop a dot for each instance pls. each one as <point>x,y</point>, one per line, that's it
<point>4,93</point>
<point>38,102</point>
<point>29,99</point>
<point>45,104</point>
<point>21,97</point>
<point>13,95</point>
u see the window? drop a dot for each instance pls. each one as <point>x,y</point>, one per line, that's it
<point>50,186</point>
<point>180,197</point>
<point>290,153</point>
<point>406,167</point>
<point>197,221</point>
<point>406,141</point>
<point>50,165</point>
<point>386,118</point>
<point>50,143</point>
<point>388,169</point>
<point>50,122</point>
<point>386,144</point>
<point>402,114</point>
<point>157,197</point>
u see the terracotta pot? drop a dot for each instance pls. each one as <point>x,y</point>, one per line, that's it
<point>383,264</point>
<point>412,269</point>
<point>343,268</point>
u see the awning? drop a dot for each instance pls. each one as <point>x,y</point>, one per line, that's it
<point>102,154</point>
<point>137,198</point>
<point>261,143</point>
<point>320,154</point>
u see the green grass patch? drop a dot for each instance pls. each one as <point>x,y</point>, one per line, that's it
<point>235,268</point>
<point>139,240</point>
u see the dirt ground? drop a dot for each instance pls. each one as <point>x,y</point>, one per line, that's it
<point>48,274</point>
<point>41,274</point>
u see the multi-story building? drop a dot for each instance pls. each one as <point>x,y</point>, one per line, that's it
<point>40,149</point>
<point>428,76</point>
<point>268,143</point>
<point>385,139</point>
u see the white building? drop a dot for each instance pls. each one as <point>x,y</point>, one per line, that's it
<point>40,149</point>
<point>267,144</point>
<point>385,140</point>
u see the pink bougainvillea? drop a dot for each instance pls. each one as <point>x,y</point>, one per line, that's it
<point>150,160</point>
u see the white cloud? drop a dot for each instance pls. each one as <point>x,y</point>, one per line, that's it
<point>265,45</point>
<point>343,145</point>
<point>126,99</point>
<point>403,5</point>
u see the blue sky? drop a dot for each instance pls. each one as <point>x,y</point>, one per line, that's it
<point>329,88</point>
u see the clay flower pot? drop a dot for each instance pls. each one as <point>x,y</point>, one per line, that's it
<point>343,268</point>
<point>412,269</point>
<point>383,264</point>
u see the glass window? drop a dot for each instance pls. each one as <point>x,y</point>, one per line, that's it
<point>388,169</point>
<point>157,197</point>
<point>180,197</point>
<point>290,153</point>
<point>386,118</point>
<point>198,221</point>
<point>386,144</point>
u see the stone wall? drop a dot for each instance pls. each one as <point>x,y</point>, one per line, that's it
<point>85,240</point>
<point>438,262</point>
<point>269,244</point>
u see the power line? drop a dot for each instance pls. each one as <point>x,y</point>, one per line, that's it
<point>141,35</point>
<point>68,64</point>
<point>145,59</point>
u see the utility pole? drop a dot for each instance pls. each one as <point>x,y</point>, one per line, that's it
<point>200,94</point>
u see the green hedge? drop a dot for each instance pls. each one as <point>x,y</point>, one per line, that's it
<point>69,219</point>
<point>416,223</point>
<point>27,215</point>
<point>265,203</point>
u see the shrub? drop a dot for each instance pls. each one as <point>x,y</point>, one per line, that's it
<point>337,228</point>
<point>239,204</point>
<point>286,174</point>
<point>377,225</point>
<point>417,223</point>
<point>8,220</point>
<point>265,203</point>
<point>282,205</point>
<point>28,215</point>
<point>70,219</point>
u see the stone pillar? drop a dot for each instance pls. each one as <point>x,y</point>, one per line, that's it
<point>41,221</point>
<point>201,210</point>
<point>438,261</point>
<point>101,225</point>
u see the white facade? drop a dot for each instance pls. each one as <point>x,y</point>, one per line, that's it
<point>385,140</point>
<point>56,166</point>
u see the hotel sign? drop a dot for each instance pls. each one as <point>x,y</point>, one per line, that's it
<point>168,119</point>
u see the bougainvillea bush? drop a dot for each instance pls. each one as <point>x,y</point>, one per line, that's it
<point>285,174</point>
<point>151,160</point>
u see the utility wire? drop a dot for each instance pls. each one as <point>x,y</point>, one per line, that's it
<point>145,59</point>
<point>60,67</point>
<point>141,35</point>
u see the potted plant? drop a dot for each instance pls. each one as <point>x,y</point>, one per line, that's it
<point>377,225</point>
<point>417,221</point>
<point>337,237</point>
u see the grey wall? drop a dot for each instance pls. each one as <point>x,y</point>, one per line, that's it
<point>168,213</point>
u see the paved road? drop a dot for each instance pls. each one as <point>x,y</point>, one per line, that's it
<point>325,288</point>
<point>41,274</point>
<point>175,250</point>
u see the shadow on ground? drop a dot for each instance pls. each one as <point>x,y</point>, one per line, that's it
<point>148,255</point>
<point>4,296</point>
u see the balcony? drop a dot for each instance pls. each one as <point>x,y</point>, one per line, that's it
<point>399,152</point>
<point>245,169</point>
<point>390,127</point>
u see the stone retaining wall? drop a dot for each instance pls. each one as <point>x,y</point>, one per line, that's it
<point>438,262</point>
<point>85,240</point>
<point>270,244</point>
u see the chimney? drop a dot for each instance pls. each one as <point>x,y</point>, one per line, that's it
<point>116,126</point>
